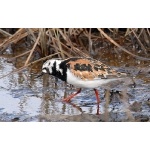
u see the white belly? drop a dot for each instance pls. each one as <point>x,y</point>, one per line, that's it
<point>71,79</point>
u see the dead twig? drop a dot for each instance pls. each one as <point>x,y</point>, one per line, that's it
<point>112,41</point>
<point>6,34</point>
<point>31,52</point>
<point>25,53</point>
<point>139,41</point>
<point>11,39</point>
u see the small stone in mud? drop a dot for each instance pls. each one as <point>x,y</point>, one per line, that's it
<point>136,107</point>
<point>148,102</point>
<point>15,119</point>
<point>142,118</point>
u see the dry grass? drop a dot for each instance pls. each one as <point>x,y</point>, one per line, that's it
<point>76,42</point>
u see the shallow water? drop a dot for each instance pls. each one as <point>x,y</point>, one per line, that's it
<point>26,98</point>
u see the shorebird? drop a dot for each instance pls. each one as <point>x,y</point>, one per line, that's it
<point>82,73</point>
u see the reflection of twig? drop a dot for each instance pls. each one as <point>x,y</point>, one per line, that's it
<point>124,100</point>
<point>98,111</point>
<point>74,105</point>
<point>107,97</point>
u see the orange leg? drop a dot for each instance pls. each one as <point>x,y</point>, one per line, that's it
<point>97,96</point>
<point>71,96</point>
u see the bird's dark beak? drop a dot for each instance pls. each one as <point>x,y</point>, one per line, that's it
<point>42,73</point>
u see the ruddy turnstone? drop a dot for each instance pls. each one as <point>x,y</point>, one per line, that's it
<point>81,72</point>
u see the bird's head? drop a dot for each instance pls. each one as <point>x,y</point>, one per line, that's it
<point>49,66</point>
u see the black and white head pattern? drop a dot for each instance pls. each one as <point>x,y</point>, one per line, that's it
<point>54,67</point>
<point>50,66</point>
